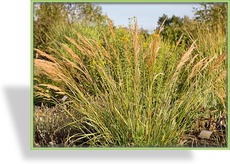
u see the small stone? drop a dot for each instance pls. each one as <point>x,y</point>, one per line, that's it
<point>205,134</point>
<point>64,98</point>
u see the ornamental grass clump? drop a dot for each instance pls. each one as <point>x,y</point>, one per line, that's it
<point>130,94</point>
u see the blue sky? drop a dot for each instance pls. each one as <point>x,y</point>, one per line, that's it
<point>147,14</point>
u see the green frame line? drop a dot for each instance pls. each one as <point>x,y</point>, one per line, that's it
<point>31,72</point>
<point>32,2</point>
<point>228,70</point>
<point>133,1</point>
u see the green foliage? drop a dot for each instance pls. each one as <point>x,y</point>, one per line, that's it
<point>90,13</point>
<point>175,30</point>
<point>54,20</point>
<point>46,16</point>
<point>128,88</point>
<point>49,15</point>
<point>213,14</point>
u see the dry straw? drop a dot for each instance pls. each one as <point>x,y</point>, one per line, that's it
<point>48,68</point>
<point>151,60</point>
<point>184,59</point>
<point>45,55</point>
<point>218,61</point>
<point>51,87</point>
<point>223,75</point>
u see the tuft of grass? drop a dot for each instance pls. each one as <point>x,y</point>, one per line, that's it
<point>131,94</point>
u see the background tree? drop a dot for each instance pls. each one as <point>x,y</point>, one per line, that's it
<point>213,14</point>
<point>89,13</point>
<point>48,15</point>
<point>172,27</point>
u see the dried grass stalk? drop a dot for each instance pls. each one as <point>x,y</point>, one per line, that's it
<point>111,28</point>
<point>37,88</point>
<point>46,66</point>
<point>85,71</point>
<point>80,48</point>
<point>192,60</point>
<point>184,59</point>
<point>179,40</point>
<point>102,51</point>
<point>74,55</point>
<point>127,55</point>
<point>49,57</point>
<point>43,95</point>
<point>222,75</point>
<point>196,68</point>
<point>85,42</point>
<point>222,98</point>
<point>206,62</point>
<point>218,62</point>
<point>155,47</point>
<point>51,87</point>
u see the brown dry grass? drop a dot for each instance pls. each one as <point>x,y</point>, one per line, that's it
<point>218,62</point>
<point>49,69</point>
<point>45,55</point>
<point>184,59</point>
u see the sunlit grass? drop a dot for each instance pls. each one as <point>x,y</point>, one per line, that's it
<point>132,92</point>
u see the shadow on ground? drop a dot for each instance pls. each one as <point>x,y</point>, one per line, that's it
<point>19,105</point>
